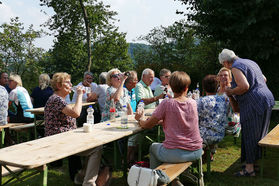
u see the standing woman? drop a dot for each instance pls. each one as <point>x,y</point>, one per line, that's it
<point>21,100</point>
<point>250,95</point>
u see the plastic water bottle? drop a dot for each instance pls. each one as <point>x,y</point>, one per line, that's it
<point>197,92</point>
<point>112,111</point>
<point>90,116</point>
<point>141,106</point>
<point>124,117</point>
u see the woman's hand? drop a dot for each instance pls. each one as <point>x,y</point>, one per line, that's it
<point>139,114</point>
<point>228,91</point>
<point>80,90</point>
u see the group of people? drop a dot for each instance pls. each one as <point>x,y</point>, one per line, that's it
<point>240,87</point>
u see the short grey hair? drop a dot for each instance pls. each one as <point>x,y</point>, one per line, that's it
<point>146,72</point>
<point>103,78</point>
<point>87,73</point>
<point>227,55</point>
<point>164,71</point>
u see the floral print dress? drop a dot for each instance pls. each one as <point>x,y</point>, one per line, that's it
<point>124,100</point>
<point>55,120</point>
<point>212,118</point>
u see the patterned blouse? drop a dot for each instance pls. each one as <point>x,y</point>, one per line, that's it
<point>55,120</point>
<point>212,118</point>
<point>4,101</point>
<point>124,100</point>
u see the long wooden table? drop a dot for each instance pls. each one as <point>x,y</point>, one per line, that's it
<point>38,153</point>
<point>271,140</point>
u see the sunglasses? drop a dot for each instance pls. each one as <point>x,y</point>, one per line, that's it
<point>114,76</point>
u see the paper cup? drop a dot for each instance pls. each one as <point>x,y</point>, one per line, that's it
<point>87,127</point>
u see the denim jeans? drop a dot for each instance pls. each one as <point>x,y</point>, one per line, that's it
<point>160,154</point>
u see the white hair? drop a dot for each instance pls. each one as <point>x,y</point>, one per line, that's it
<point>146,72</point>
<point>226,55</point>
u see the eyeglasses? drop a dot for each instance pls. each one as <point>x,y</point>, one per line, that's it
<point>166,76</point>
<point>114,76</point>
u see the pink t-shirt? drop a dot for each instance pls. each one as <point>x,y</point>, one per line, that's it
<point>180,124</point>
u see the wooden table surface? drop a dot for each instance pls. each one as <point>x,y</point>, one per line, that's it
<point>39,152</point>
<point>41,109</point>
<point>271,139</point>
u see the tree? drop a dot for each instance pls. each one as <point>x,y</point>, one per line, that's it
<point>248,27</point>
<point>17,51</point>
<point>177,47</point>
<point>68,23</point>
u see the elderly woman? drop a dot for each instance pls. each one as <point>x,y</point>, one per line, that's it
<point>41,93</point>
<point>250,95</point>
<point>60,117</point>
<point>117,93</point>
<point>182,138</point>
<point>164,76</point>
<point>212,110</point>
<point>21,100</point>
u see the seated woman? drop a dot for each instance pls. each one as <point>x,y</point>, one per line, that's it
<point>60,117</point>
<point>180,124</point>
<point>19,98</point>
<point>40,94</point>
<point>116,92</point>
<point>212,111</point>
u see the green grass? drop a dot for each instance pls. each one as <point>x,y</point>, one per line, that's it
<point>226,162</point>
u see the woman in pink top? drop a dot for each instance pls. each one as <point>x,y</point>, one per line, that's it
<point>179,117</point>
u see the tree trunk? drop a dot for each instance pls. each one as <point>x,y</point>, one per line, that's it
<point>85,17</point>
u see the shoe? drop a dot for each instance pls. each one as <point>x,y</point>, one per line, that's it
<point>256,168</point>
<point>245,173</point>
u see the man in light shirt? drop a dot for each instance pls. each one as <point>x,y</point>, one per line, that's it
<point>143,90</point>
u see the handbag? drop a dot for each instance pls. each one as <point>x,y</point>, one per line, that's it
<point>140,176</point>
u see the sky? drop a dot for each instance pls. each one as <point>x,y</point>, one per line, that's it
<point>137,17</point>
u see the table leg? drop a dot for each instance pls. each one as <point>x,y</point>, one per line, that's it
<point>2,138</point>
<point>35,127</point>
<point>125,166</point>
<point>140,146</point>
<point>44,175</point>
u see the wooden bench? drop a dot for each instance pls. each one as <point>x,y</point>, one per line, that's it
<point>271,140</point>
<point>173,170</point>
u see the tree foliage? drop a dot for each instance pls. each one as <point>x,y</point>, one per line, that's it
<point>17,51</point>
<point>177,47</point>
<point>248,27</point>
<point>109,48</point>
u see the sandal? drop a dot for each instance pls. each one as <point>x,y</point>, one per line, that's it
<point>245,173</point>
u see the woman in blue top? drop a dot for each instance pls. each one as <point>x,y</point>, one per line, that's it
<point>250,96</point>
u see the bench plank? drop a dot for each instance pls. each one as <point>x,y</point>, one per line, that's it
<point>24,126</point>
<point>173,170</point>
<point>271,139</point>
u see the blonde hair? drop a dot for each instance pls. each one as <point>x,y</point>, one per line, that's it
<point>225,69</point>
<point>16,78</point>
<point>58,78</point>
<point>44,81</point>
<point>109,74</point>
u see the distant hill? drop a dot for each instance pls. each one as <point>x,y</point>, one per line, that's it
<point>133,46</point>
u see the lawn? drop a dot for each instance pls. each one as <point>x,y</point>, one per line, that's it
<point>226,162</point>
